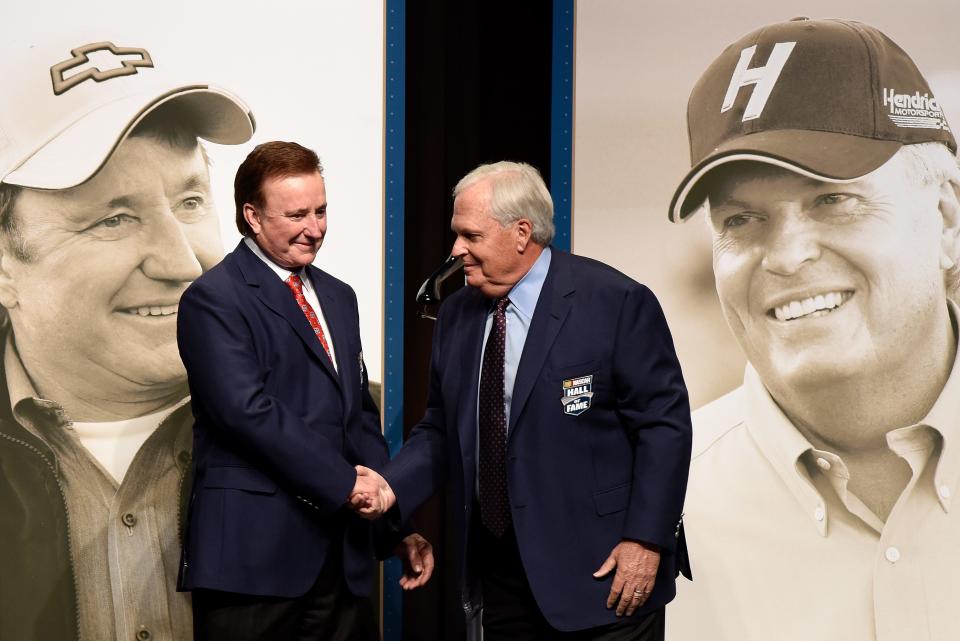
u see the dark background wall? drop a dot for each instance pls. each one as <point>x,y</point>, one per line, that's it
<point>477,90</point>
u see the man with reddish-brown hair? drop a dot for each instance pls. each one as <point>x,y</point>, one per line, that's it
<point>283,415</point>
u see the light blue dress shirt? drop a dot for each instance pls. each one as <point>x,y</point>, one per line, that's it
<point>523,301</point>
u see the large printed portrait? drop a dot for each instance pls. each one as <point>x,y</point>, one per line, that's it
<point>820,357</point>
<point>120,132</point>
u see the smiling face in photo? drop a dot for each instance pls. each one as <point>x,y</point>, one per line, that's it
<point>823,280</point>
<point>94,288</point>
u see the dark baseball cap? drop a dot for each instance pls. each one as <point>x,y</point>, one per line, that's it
<point>830,99</point>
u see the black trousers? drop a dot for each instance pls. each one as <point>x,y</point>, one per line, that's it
<point>327,612</point>
<point>510,612</point>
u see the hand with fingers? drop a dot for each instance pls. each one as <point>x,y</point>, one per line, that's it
<point>365,491</point>
<point>636,565</point>
<point>371,497</point>
<point>417,556</point>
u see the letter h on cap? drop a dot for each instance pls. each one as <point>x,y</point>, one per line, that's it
<point>763,77</point>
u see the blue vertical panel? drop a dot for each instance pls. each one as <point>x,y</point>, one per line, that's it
<point>395,24</point>
<point>561,120</point>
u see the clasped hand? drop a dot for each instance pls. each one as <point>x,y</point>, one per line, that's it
<point>371,497</point>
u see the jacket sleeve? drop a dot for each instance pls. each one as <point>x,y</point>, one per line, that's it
<point>653,407</point>
<point>420,468</point>
<point>227,385</point>
<point>368,433</point>
<point>371,451</point>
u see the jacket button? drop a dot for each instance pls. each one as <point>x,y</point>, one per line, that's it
<point>129,520</point>
<point>143,634</point>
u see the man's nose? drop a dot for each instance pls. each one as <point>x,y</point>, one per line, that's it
<point>168,254</point>
<point>792,243</point>
<point>312,226</point>
<point>459,248</point>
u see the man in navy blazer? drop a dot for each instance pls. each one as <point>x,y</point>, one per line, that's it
<point>283,415</point>
<point>590,474</point>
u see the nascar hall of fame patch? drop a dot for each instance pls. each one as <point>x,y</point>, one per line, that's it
<point>577,395</point>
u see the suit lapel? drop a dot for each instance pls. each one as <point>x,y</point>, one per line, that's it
<point>548,317</point>
<point>333,315</point>
<point>273,293</point>
<point>470,349</point>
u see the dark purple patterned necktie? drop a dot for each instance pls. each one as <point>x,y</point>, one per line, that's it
<point>492,419</point>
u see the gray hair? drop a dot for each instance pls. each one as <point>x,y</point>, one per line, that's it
<point>929,163</point>
<point>517,191</point>
<point>932,163</point>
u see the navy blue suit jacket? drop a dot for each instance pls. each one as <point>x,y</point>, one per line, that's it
<point>578,484</point>
<point>277,433</point>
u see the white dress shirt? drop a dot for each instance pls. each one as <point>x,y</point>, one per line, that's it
<point>781,549</point>
<point>308,291</point>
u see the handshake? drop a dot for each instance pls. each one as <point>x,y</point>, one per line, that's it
<point>371,497</point>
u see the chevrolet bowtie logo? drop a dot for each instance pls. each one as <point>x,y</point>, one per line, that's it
<point>111,62</point>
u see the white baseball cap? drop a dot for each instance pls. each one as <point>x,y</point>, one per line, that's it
<point>67,109</point>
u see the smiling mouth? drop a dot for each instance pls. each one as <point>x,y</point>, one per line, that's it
<point>812,307</point>
<point>151,310</point>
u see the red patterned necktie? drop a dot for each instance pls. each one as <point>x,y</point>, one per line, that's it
<point>492,420</point>
<point>296,286</point>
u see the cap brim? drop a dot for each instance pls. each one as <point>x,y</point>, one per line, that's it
<point>830,157</point>
<point>78,152</point>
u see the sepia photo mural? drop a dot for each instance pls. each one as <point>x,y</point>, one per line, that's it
<point>121,127</point>
<point>819,503</point>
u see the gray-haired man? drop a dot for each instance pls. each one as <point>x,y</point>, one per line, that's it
<point>819,503</point>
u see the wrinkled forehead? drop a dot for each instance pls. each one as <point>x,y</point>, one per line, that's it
<point>473,204</point>
<point>466,220</point>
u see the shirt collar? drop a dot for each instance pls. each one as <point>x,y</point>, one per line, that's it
<point>526,292</point>
<point>36,414</point>
<point>24,399</point>
<point>783,445</point>
<point>282,272</point>
<point>943,417</point>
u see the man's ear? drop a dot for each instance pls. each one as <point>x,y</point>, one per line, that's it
<point>8,285</point>
<point>524,230</point>
<point>949,206</point>
<point>252,216</point>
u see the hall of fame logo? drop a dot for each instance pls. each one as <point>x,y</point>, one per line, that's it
<point>577,395</point>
